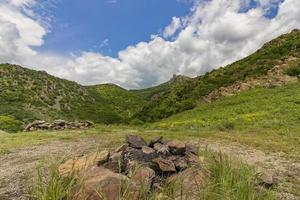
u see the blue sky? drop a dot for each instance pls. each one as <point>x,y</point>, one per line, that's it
<point>138,43</point>
<point>108,26</point>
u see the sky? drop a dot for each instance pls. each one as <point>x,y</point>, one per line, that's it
<point>138,43</point>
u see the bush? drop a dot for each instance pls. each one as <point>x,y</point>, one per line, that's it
<point>226,126</point>
<point>10,124</point>
<point>293,70</point>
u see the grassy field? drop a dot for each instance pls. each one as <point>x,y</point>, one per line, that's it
<point>263,118</point>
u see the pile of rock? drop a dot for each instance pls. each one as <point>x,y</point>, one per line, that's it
<point>140,167</point>
<point>57,125</point>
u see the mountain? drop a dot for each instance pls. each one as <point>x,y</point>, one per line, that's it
<point>27,95</point>
<point>272,65</point>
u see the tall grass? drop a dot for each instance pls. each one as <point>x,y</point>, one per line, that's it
<point>232,180</point>
<point>49,185</point>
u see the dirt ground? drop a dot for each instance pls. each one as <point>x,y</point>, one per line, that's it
<point>16,165</point>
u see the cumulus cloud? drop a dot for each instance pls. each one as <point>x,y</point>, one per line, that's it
<point>172,28</point>
<point>214,34</point>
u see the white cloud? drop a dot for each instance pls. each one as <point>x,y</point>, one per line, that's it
<point>172,28</point>
<point>214,34</point>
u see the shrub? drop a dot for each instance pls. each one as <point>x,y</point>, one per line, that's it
<point>226,126</point>
<point>294,70</point>
<point>10,124</point>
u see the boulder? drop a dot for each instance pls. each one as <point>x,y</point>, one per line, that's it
<point>101,183</point>
<point>176,147</point>
<point>143,178</point>
<point>188,182</point>
<point>164,165</point>
<point>82,163</point>
<point>156,140</point>
<point>135,141</point>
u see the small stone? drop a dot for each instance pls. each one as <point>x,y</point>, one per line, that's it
<point>180,163</point>
<point>155,140</point>
<point>176,147</point>
<point>115,162</point>
<point>269,180</point>
<point>103,157</point>
<point>194,160</point>
<point>165,165</point>
<point>135,141</point>
<point>161,148</point>
<point>190,148</point>
<point>148,150</point>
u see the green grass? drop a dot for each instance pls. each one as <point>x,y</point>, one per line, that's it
<point>10,124</point>
<point>265,118</point>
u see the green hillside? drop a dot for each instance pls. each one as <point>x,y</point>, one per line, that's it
<point>27,95</point>
<point>191,92</point>
<point>124,102</point>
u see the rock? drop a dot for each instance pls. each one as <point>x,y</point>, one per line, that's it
<point>59,122</point>
<point>176,147</point>
<point>194,159</point>
<point>134,156</point>
<point>161,148</point>
<point>165,165</point>
<point>115,162</point>
<point>189,182</point>
<point>135,141</point>
<point>143,177</point>
<point>32,125</point>
<point>269,179</point>
<point>148,150</point>
<point>121,148</point>
<point>101,183</point>
<point>179,162</point>
<point>82,163</point>
<point>102,157</point>
<point>155,140</point>
<point>190,148</point>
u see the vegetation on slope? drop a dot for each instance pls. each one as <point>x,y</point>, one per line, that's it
<point>125,103</point>
<point>189,93</point>
<point>27,95</point>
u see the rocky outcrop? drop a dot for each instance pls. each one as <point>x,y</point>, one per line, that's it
<point>57,125</point>
<point>138,167</point>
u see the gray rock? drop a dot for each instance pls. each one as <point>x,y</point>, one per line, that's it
<point>135,141</point>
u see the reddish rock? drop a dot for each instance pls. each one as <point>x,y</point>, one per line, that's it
<point>143,177</point>
<point>165,165</point>
<point>100,183</point>
<point>188,181</point>
<point>176,147</point>
<point>82,163</point>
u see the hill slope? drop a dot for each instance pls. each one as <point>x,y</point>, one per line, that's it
<point>27,95</point>
<point>268,65</point>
